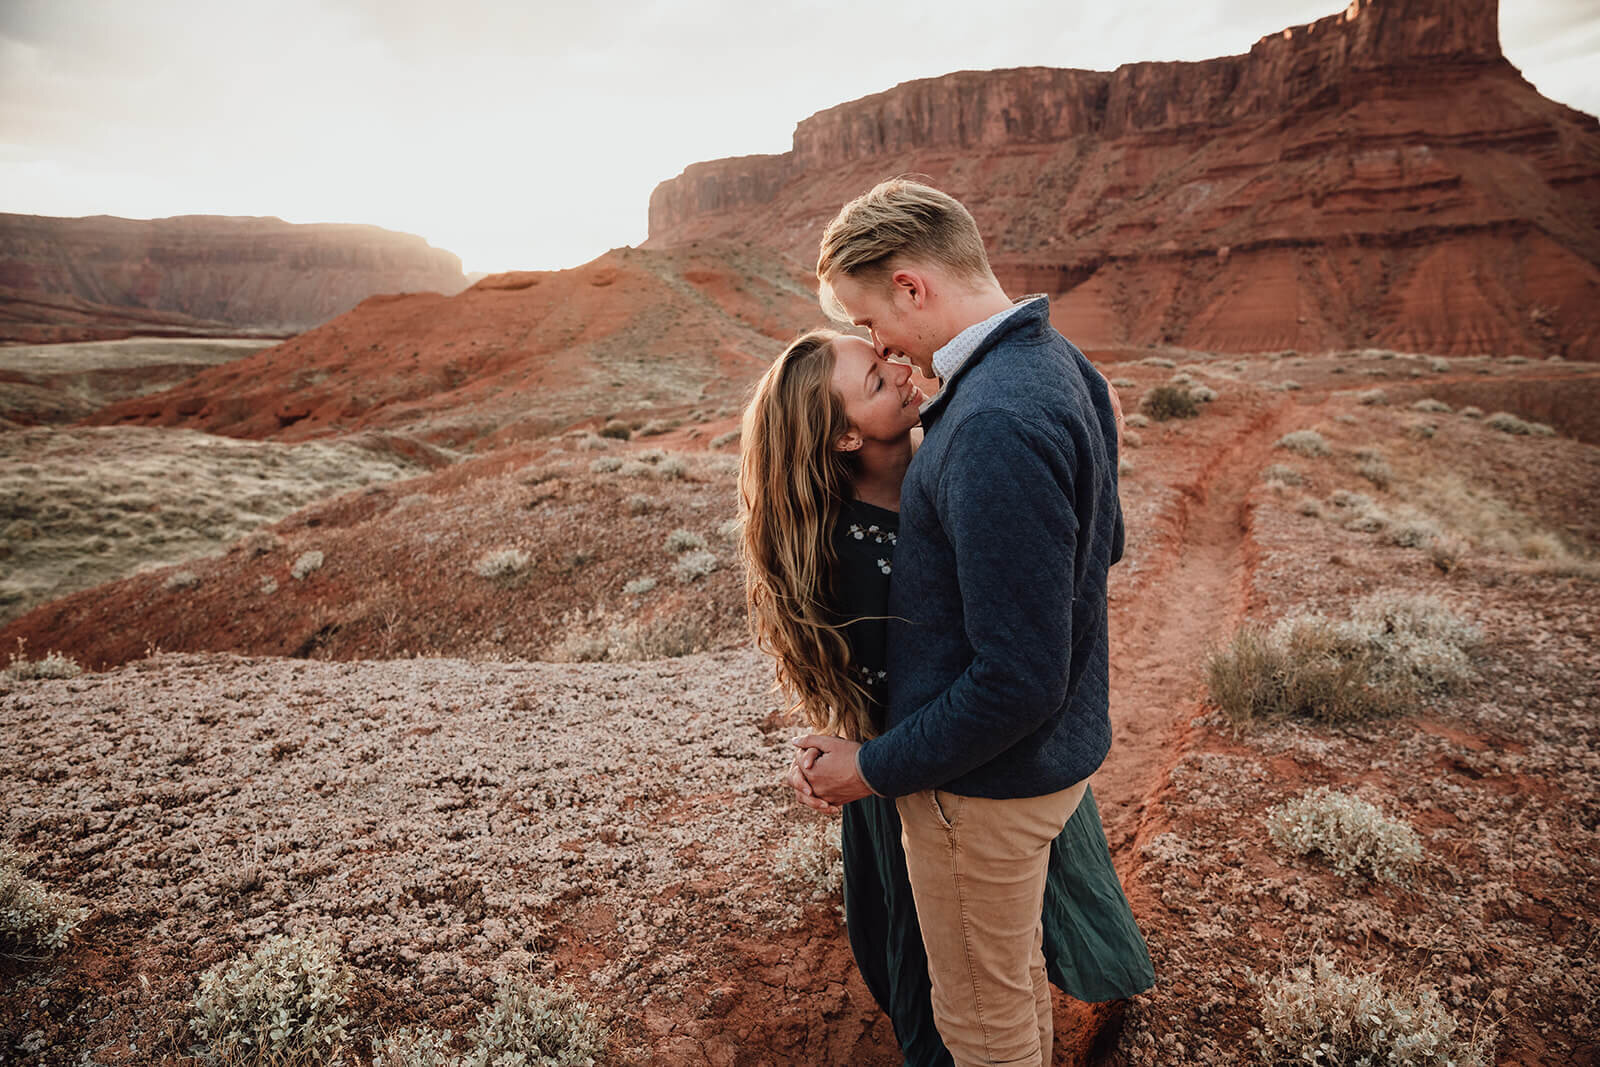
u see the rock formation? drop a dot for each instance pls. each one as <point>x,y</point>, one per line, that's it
<point>1380,177</point>
<point>257,273</point>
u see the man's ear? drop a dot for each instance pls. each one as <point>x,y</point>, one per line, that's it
<point>849,441</point>
<point>913,284</point>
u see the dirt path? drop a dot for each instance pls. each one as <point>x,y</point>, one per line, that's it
<point>1192,598</point>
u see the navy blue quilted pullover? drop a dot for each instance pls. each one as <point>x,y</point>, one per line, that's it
<point>1009,520</point>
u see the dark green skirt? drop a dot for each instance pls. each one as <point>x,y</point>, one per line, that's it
<point>1092,946</point>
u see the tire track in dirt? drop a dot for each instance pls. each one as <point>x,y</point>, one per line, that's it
<point>1189,601</point>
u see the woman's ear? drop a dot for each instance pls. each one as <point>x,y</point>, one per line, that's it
<point>849,441</point>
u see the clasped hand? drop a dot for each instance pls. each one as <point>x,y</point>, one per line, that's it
<point>824,774</point>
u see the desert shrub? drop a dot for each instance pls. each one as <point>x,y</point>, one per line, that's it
<point>617,430</point>
<point>35,922</point>
<point>639,586</point>
<point>304,564</point>
<point>54,665</point>
<point>530,1025</point>
<point>1289,385</point>
<point>269,585</point>
<point>1317,1014</point>
<point>1541,545</point>
<point>1370,520</point>
<point>1344,498</point>
<point>1183,377</point>
<point>1124,383</point>
<point>500,563</point>
<point>280,1005</point>
<point>1374,468</point>
<point>1132,439</point>
<point>1372,397</point>
<point>605,464</point>
<point>1281,474</point>
<point>1393,648</point>
<point>1506,422</point>
<point>1438,364</point>
<point>1170,402</point>
<point>1445,551</point>
<point>592,442</point>
<point>1158,361</point>
<point>1136,420</point>
<point>578,647</point>
<point>673,468</point>
<point>681,540</point>
<point>1304,442</point>
<point>731,529</point>
<point>184,579</point>
<point>639,504</point>
<point>664,637</point>
<point>1413,533</point>
<point>1350,833</point>
<point>692,566</point>
<point>1428,403</point>
<point>1517,359</point>
<point>1421,431</point>
<point>1471,411</point>
<point>1125,466</point>
<point>1203,394</point>
<point>1309,507</point>
<point>809,861</point>
<point>423,1046</point>
<point>634,469</point>
<point>725,439</point>
<point>263,542</point>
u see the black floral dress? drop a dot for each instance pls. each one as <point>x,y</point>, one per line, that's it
<point>1092,947</point>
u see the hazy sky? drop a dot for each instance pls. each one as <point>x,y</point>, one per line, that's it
<point>529,134</point>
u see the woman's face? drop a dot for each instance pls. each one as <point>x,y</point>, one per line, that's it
<point>880,399</point>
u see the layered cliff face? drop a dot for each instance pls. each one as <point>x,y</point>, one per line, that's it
<point>258,273</point>
<point>1379,177</point>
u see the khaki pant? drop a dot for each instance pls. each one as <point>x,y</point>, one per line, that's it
<point>977,871</point>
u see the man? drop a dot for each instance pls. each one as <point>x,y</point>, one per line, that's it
<point>998,674</point>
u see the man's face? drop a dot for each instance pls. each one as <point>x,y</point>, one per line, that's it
<point>898,325</point>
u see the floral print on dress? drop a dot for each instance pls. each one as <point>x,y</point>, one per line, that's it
<point>871,677</point>
<point>878,535</point>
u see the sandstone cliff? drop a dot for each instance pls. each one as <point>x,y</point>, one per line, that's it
<point>1379,177</point>
<point>258,273</point>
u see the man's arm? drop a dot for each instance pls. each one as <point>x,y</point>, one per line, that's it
<point>1005,500</point>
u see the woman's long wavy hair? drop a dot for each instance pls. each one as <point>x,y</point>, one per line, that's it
<point>792,486</point>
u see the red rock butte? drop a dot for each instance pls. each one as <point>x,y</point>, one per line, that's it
<point>1382,177</point>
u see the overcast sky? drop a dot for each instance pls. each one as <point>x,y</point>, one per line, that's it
<point>529,134</point>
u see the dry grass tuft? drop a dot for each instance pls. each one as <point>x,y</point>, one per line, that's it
<point>1307,443</point>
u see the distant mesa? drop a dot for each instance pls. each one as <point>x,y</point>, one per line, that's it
<point>1380,177</point>
<point>102,277</point>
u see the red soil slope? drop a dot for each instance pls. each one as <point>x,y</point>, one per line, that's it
<point>1381,177</point>
<point>517,355</point>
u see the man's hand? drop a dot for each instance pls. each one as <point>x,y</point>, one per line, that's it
<point>831,775</point>
<point>804,759</point>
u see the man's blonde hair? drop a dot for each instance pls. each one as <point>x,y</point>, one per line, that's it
<point>898,219</point>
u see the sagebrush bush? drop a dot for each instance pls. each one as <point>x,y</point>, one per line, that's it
<point>605,464</point>
<point>1471,411</point>
<point>1413,533</point>
<point>1304,442</point>
<point>1170,402</point>
<point>1428,403</point>
<point>35,921</point>
<point>682,540</point>
<point>1394,648</point>
<point>1158,361</point>
<point>1353,835</point>
<point>422,1046</point>
<point>671,469</point>
<point>1136,420</point>
<point>1374,468</point>
<point>725,439</point>
<point>639,586</point>
<point>1318,1014</point>
<point>184,579</point>
<point>1203,394</point>
<point>617,430</point>
<point>304,564</point>
<point>1124,383</point>
<point>500,563</point>
<point>281,1005</point>
<point>639,504</point>
<point>1372,397</point>
<point>810,862</point>
<point>530,1025</point>
<point>1281,474</point>
<point>1506,422</point>
<point>692,566</point>
<point>664,637</point>
<point>54,665</point>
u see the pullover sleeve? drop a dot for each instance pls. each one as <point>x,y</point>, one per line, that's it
<point>1005,501</point>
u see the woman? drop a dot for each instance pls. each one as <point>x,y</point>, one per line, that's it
<point>826,439</point>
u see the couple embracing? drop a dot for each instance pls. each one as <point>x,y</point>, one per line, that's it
<point>930,575</point>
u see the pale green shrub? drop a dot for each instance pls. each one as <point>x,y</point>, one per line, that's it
<point>501,563</point>
<point>809,860</point>
<point>639,586</point>
<point>1506,422</point>
<point>35,922</point>
<point>1304,442</point>
<point>725,439</point>
<point>1317,1014</point>
<point>1136,420</point>
<point>281,1005</point>
<point>54,665</point>
<point>1281,474</point>
<point>682,540</point>
<point>1372,397</point>
<point>304,564</point>
<point>1416,639</point>
<point>617,430</point>
<point>1428,403</point>
<point>423,1046</point>
<point>529,1025</point>
<point>1158,361</point>
<point>1471,411</point>
<point>1170,402</point>
<point>184,579</point>
<point>639,504</point>
<point>1348,831</point>
<point>605,464</point>
<point>692,566</point>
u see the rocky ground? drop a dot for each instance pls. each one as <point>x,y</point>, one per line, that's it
<point>468,812</point>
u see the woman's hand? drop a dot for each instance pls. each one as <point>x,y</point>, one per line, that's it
<point>831,777</point>
<point>804,760</point>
